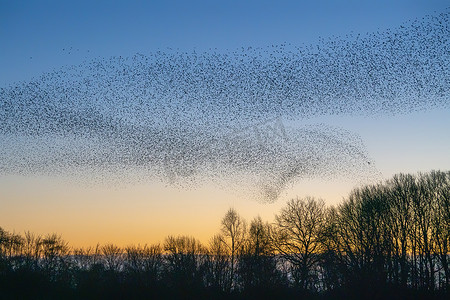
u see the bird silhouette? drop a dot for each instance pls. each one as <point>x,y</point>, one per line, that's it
<point>192,117</point>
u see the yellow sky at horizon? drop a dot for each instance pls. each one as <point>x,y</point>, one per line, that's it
<point>147,213</point>
<point>135,214</point>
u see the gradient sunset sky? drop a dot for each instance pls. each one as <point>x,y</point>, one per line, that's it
<point>39,36</point>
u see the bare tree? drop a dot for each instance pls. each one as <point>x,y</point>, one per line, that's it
<point>363,235</point>
<point>401,190</point>
<point>187,260</point>
<point>421,235</point>
<point>434,223</point>
<point>441,221</point>
<point>55,251</point>
<point>219,265</point>
<point>297,236</point>
<point>112,256</point>
<point>145,260</point>
<point>257,263</point>
<point>32,250</point>
<point>233,229</point>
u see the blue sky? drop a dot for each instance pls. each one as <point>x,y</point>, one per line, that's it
<point>41,36</point>
<point>33,34</point>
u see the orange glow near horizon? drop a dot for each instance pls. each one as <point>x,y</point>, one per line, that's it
<point>148,213</point>
<point>135,214</point>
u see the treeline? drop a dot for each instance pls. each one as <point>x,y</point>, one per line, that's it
<point>383,241</point>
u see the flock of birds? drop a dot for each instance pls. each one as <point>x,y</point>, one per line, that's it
<point>190,118</point>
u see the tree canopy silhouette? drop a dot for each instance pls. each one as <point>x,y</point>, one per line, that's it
<point>388,240</point>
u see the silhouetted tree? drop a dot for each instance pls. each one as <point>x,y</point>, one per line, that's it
<point>363,237</point>
<point>388,240</point>
<point>438,184</point>
<point>112,257</point>
<point>401,190</point>
<point>233,229</point>
<point>143,268</point>
<point>219,275</point>
<point>297,237</point>
<point>186,264</point>
<point>257,263</point>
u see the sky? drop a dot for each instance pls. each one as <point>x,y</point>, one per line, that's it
<point>41,37</point>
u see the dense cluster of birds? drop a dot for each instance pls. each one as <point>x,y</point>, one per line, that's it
<point>187,117</point>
